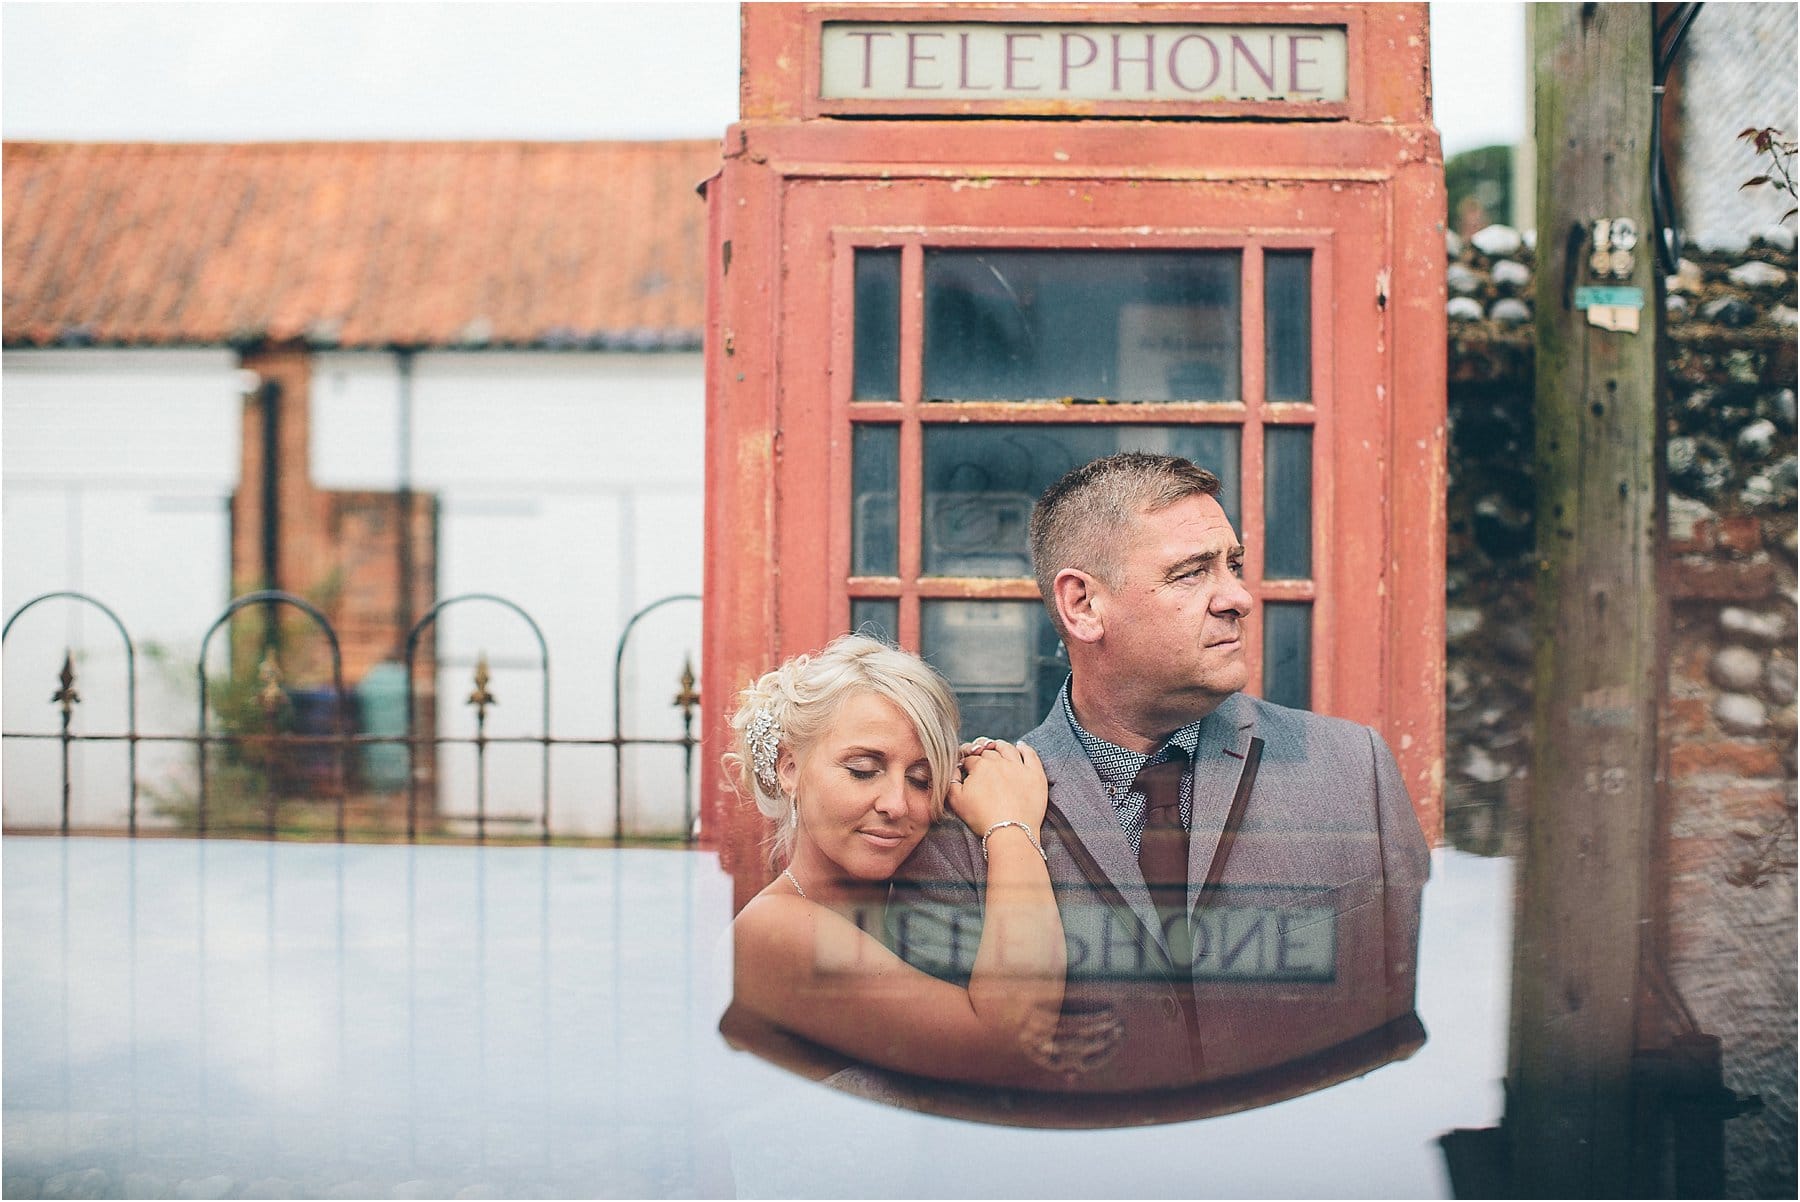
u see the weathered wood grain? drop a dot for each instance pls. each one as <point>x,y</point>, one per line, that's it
<point>1583,889</point>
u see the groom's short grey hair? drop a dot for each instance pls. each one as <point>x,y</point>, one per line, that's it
<point>1087,518</point>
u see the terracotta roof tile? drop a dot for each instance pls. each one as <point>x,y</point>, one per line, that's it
<point>355,244</point>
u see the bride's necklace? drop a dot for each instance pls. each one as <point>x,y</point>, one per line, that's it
<point>796,884</point>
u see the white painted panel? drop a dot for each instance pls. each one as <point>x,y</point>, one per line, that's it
<point>557,558</point>
<point>119,469</point>
<point>39,551</point>
<point>165,605</point>
<point>37,531</point>
<point>355,435</point>
<point>570,484</point>
<point>586,422</point>
<point>121,417</point>
<point>663,642</point>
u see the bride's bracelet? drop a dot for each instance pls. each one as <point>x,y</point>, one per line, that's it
<point>1029,834</point>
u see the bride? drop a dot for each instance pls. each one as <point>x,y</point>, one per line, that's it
<point>852,753</point>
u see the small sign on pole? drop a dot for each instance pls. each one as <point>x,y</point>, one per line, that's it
<point>1611,308</point>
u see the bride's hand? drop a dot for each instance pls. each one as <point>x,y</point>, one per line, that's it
<point>1071,1043</point>
<point>1002,782</point>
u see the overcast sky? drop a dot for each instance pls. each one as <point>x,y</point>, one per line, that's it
<point>258,71</point>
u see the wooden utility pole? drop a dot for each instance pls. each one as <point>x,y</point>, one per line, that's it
<point>1583,894</point>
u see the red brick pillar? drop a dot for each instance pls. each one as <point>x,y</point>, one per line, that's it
<point>299,508</point>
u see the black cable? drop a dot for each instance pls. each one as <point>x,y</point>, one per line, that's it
<point>1670,34</point>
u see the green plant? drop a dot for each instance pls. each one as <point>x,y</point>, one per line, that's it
<point>253,768</point>
<point>1769,141</point>
<point>1480,182</point>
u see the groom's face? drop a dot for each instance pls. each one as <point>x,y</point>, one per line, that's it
<point>1174,614</point>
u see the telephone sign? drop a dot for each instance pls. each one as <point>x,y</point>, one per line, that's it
<point>996,60</point>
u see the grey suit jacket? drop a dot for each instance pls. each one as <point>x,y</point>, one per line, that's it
<point>1308,939</point>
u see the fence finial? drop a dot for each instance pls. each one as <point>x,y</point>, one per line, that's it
<point>66,696</point>
<point>687,699</point>
<point>271,694</point>
<point>481,698</point>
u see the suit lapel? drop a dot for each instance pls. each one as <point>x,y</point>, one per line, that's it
<point>1218,764</point>
<point>1077,794</point>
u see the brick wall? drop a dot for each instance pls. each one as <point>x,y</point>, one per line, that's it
<point>339,550</point>
<point>1727,839</point>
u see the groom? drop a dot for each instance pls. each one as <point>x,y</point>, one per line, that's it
<point>1238,881</point>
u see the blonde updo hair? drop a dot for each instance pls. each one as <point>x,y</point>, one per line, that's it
<point>803,697</point>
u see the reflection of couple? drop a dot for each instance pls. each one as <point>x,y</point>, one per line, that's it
<point>1208,864</point>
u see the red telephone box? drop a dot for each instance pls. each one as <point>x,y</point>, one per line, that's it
<point>959,249</point>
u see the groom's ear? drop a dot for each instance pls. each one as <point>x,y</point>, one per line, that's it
<point>1079,604</point>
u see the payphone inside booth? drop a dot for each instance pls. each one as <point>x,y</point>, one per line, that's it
<point>958,250</point>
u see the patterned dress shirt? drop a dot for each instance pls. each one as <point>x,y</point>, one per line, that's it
<point>1118,770</point>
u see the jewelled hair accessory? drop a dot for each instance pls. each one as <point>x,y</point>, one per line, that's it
<point>763,737</point>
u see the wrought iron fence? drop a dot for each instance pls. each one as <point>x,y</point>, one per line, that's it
<point>343,739</point>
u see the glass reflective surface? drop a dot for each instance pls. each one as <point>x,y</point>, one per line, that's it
<point>1002,658</point>
<point>874,500</point>
<point>1287,325</point>
<point>877,324</point>
<point>981,481</point>
<point>1287,654</point>
<point>876,617</point>
<point>1287,502</point>
<point>1012,325</point>
<point>300,1020</point>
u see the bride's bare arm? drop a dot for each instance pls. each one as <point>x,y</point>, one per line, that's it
<point>807,968</point>
<point>1019,965</point>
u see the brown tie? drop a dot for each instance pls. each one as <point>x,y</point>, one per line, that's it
<point>1163,853</point>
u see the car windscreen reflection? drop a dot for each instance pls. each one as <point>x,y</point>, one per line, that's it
<point>232,1018</point>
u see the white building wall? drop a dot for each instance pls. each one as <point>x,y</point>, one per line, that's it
<point>118,470</point>
<point>1739,72</point>
<point>569,484</point>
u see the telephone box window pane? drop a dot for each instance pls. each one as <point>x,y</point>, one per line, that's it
<point>981,481</point>
<point>1017,325</point>
<point>1287,502</point>
<point>1002,659</point>
<point>1287,654</point>
<point>875,617</point>
<point>1287,325</point>
<point>875,496</point>
<point>877,324</point>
